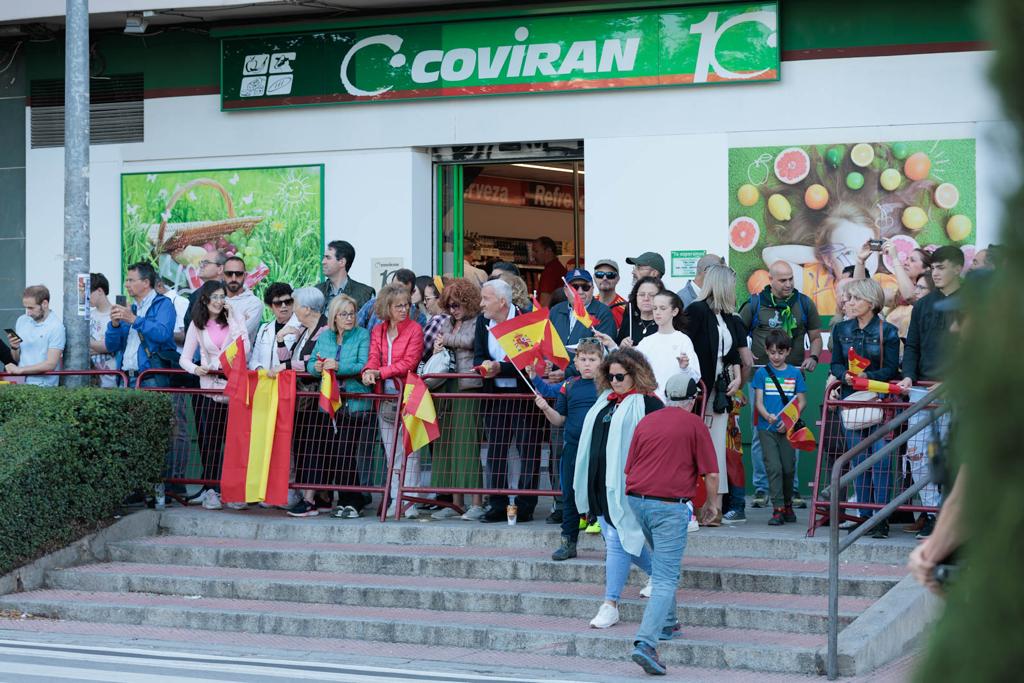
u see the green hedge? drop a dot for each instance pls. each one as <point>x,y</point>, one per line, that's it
<point>68,458</point>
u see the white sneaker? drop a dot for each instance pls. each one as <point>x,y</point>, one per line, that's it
<point>473,514</point>
<point>412,512</point>
<point>444,513</point>
<point>211,500</point>
<point>238,506</point>
<point>692,526</point>
<point>645,592</point>
<point>606,617</point>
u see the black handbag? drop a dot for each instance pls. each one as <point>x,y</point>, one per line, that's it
<point>722,402</point>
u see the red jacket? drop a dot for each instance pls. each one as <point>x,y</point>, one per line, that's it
<point>406,351</point>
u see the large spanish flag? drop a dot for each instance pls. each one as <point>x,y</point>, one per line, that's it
<point>521,337</point>
<point>231,359</point>
<point>418,414</point>
<point>257,451</point>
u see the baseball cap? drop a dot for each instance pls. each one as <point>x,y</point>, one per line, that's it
<point>607,262</point>
<point>681,387</point>
<point>648,258</point>
<point>578,274</point>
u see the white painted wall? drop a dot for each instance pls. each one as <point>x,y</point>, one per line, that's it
<point>655,159</point>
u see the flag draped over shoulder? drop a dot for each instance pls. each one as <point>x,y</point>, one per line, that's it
<point>257,451</point>
<point>418,414</point>
<point>857,364</point>
<point>877,386</point>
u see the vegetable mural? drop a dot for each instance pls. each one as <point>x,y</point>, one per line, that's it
<point>814,206</point>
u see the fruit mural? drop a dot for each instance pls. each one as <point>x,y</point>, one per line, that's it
<point>271,217</point>
<point>814,206</point>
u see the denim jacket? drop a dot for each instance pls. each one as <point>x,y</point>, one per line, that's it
<point>870,343</point>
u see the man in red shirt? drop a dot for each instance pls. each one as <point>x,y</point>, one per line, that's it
<point>670,449</point>
<point>545,253</point>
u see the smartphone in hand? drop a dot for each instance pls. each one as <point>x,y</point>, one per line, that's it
<point>12,334</point>
<point>121,300</point>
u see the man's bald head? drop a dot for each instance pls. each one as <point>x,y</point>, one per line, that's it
<point>703,264</point>
<point>781,274</point>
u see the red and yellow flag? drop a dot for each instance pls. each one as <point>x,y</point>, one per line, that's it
<point>257,451</point>
<point>877,386</point>
<point>521,337</point>
<point>789,415</point>
<point>579,311</point>
<point>857,363</point>
<point>798,434</point>
<point>232,359</point>
<point>802,439</point>
<point>418,414</point>
<point>553,348</point>
<point>536,302</point>
<point>330,393</point>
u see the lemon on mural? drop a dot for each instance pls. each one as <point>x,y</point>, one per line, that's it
<point>914,218</point>
<point>946,196</point>
<point>958,227</point>
<point>748,195</point>
<point>779,208</point>
<point>862,154</point>
<point>890,179</point>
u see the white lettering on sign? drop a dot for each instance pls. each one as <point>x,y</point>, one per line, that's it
<point>487,63</point>
<point>551,197</point>
<point>710,33</point>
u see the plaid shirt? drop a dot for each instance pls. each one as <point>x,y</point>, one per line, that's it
<point>431,330</point>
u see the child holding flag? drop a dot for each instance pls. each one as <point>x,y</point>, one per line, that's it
<point>778,389</point>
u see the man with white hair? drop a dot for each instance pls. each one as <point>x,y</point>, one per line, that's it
<point>505,419</point>
<point>691,292</point>
<point>670,450</point>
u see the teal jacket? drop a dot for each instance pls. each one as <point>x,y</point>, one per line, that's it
<point>355,349</point>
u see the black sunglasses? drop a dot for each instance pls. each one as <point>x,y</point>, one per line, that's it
<point>582,287</point>
<point>605,274</point>
<point>234,273</point>
<point>282,302</point>
<point>618,376</point>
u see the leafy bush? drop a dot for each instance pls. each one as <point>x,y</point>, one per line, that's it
<point>70,456</point>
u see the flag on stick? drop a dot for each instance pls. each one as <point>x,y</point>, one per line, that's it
<point>857,363</point>
<point>330,392</point>
<point>877,386</point>
<point>579,311</point>
<point>552,347</point>
<point>418,414</point>
<point>521,337</point>
<point>797,433</point>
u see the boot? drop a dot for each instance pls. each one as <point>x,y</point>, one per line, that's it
<point>565,551</point>
<point>788,515</point>
<point>777,519</point>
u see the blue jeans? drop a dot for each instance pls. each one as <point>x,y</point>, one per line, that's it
<point>570,515</point>
<point>875,485</point>
<point>617,561</point>
<point>664,526</point>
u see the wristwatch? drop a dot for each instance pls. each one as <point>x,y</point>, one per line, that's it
<point>815,357</point>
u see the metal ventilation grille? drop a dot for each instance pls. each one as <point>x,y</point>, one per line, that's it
<point>115,111</point>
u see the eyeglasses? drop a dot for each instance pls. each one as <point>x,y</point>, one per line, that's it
<point>206,262</point>
<point>618,376</point>
<point>454,306</point>
<point>346,314</point>
<point>234,273</point>
<point>400,306</point>
<point>582,286</point>
<point>218,297</point>
<point>282,302</point>
<point>605,274</point>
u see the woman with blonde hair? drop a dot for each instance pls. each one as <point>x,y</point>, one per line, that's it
<point>718,334</point>
<point>626,382</point>
<point>520,294</point>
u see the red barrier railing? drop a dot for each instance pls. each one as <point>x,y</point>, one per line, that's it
<point>845,423</point>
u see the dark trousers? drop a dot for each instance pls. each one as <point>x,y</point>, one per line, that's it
<point>505,421</point>
<point>779,463</point>
<point>570,515</point>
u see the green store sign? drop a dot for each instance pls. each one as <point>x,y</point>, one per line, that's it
<point>691,45</point>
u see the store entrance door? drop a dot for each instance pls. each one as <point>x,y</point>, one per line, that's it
<point>490,212</point>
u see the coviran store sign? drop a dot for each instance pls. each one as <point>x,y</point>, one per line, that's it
<point>733,43</point>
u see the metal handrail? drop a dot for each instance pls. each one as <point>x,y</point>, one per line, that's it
<point>838,481</point>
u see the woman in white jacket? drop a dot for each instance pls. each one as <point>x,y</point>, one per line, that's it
<point>214,327</point>
<point>669,350</point>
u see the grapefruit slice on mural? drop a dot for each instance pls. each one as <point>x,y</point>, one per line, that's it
<point>792,165</point>
<point>904,245</point>
<point>743,234</point>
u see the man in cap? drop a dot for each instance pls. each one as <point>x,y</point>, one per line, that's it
<point>565,323</point>
<point>691,292</point>
<point>647,264</point>
<point>606,277</point>
<point>670,450</point>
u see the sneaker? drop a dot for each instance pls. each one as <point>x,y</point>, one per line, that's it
<point>211,500</point>
<point>594,528</point>
<point>583,523</point>
<point>565,551</point>
<point>799,502</point>
<point>881,531</point>
<point>671,632</point>
<point>473,514</point>
<point>554,518</point>
<point>303,509</point>
<point>606,617</point>
<point>412,512</point>
<point>238,506</point>
<point>760,499</point>
<point>647,657</point>
<point>927,529</point>
<point>265,505</point>
<point>734,517</point>
<point>788,515</point>
<point>692,526</point>
<point>444,513</point>
<point>777,518</point>
<point>346,512</point>
<point>646,591</point>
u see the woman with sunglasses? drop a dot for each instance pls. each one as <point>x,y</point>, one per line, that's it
<point>215,326</point>
<point>626,382</point>
<point>274,339</point>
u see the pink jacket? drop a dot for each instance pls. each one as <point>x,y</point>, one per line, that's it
<point>209,353</point>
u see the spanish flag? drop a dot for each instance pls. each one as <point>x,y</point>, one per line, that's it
<point>879,387</point>
<point>418,414</point>
<point>330,393</point>
<point>257,451</point>
<point>579,311</point>
<point>231,359</point>
<point>521,337</point>
<point>789,415</point>
<point>552,348</point>
<point>797,433</point>
<point>857,363</point>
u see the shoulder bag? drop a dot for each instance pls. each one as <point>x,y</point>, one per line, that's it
<point>856,419</point>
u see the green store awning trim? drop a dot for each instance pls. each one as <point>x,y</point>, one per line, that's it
<point>690,45</point>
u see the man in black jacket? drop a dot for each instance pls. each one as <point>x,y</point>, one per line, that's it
<point>337,261</point>
<point>506,419</point>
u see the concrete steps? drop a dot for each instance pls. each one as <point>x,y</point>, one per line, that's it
<point>759,607</point>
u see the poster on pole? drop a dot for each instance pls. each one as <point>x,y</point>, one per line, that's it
<point>270,217</point>
<point>816,206</point>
